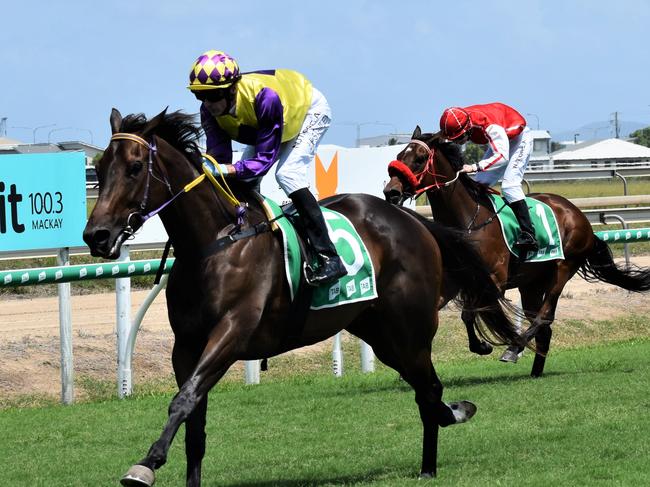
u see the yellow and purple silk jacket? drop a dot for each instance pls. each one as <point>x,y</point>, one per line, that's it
<point>270,109</point>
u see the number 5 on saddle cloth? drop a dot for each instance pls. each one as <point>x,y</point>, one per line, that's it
<point>358,285</point>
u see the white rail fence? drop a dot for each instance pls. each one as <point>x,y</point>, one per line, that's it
<point>623,209</point>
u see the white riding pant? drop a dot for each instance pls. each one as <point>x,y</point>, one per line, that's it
<point>511,171</point>
<point>296,154</point>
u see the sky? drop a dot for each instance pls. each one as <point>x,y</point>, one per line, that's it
<point>384,66</point>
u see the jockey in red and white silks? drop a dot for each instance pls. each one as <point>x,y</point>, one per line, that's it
<point>510,144</point>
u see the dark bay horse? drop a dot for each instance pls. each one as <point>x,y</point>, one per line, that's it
<point>430,164</point>
<point>228,298</point>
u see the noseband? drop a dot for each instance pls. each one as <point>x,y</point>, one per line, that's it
<point>151,147</point>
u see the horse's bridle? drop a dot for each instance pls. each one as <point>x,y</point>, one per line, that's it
<point>398,168</point>
<point>129,229</point>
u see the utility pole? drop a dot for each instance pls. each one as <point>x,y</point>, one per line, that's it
<point>617,128</point>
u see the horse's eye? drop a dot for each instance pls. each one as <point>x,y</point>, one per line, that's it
<point>135,168</point>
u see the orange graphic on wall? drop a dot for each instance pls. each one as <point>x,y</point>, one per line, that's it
<point>327,180</point>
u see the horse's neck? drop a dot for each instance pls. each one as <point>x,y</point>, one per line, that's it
<point>191,224</point>
<point>453,206</point>
<point>196,218</point>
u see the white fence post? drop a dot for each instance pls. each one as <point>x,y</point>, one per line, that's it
<point>127,377</point>
<point>252,370</point>
<point>65,332</point>
<point>337,356</point>
<point>123,325</point>
<point>367,358</point>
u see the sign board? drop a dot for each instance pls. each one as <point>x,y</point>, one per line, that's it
<point>338,170</point>
<point>42,200</point>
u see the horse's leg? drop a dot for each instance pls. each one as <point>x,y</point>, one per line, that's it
<point>419,372</point>
<point>195,442</point>
<point>421,376</point>
<point>532,297</point>
<point>216,359</point>
<point>541,330</point>
<point>433,411</point>
<point>411,357</point>
<point>476,345</point>
<point>541,324</point>
<point>542,343</point>
<point>184,359</point>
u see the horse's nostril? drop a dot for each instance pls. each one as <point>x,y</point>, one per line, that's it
<point>393,196</point>
<point>97,238</point>
<point>101,236</point>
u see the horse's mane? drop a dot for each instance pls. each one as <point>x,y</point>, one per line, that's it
<point>453,153</point>
<point>177,128</point>
<point>180,130</point>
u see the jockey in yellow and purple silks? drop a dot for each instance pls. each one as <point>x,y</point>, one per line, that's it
<point>281,118</point>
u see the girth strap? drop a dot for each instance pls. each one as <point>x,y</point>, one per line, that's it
<point>301,303</point>
<point>224,242</point>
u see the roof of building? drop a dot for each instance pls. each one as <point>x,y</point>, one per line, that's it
<point>382,140</point>
<point>8,141</point>
<point>540,134</point>
<point>602,149</point>
<point>17,147</point>
<point>77,145</point>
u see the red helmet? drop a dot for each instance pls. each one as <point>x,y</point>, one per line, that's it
<point>454,122</point>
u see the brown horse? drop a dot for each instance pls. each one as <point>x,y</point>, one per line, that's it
<point>227,295</point>
<point>431,164</point>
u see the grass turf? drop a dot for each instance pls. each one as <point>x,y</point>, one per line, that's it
<point>587,422</point>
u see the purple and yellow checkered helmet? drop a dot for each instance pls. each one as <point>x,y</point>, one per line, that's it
<point>213,69</point>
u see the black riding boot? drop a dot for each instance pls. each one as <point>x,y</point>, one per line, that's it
<point>526,240</point>
<point>330,266</point>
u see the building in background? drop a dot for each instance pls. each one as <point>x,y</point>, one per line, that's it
<point>384,140</point>
<point>540,158</point>
<point>11,146</point>
<point>609,153</point>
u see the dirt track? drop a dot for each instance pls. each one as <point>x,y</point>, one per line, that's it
<point>29,334</point>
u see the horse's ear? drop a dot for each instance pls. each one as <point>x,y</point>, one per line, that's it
<point>417,132</point>
<point>153,123</point>
<point>116,120</point>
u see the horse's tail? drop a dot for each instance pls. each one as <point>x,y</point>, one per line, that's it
<point>600,266</point>
<point>464,267</point>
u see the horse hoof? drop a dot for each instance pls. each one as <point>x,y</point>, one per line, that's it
<point>426,476</point>
<point>138,476</point>
<point>483,348</point>
<point>463,411</point>
<point>511,356</point>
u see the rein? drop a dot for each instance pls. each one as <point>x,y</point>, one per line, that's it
<point>490,219</point>
<point>151,147</point>
<point>222,187</point>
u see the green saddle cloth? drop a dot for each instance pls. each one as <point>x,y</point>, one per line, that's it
<point>358,285</point>
<point>545,225</point>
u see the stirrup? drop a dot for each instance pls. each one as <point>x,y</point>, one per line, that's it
<point>527,240</point>
<point>330,270</point>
